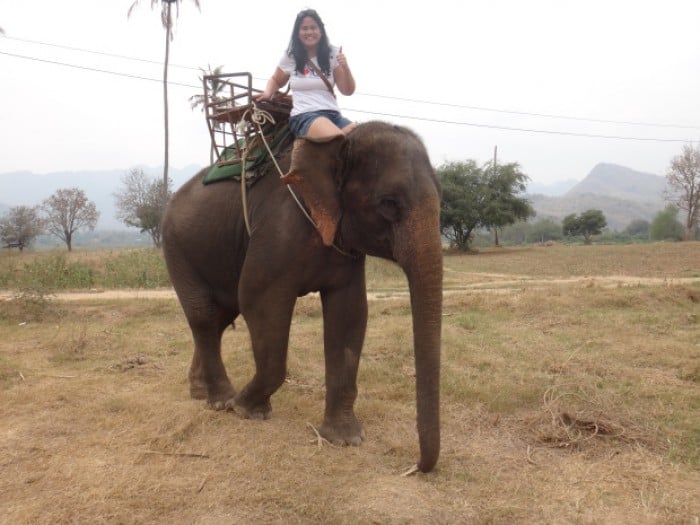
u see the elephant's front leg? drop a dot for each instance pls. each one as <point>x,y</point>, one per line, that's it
<point>268,316</point>
<point>345,322</point>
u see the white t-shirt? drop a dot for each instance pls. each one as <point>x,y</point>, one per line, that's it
<point>309,92</point>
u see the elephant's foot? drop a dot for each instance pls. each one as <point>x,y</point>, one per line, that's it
<point>349,431</point>
<point>198,389</point>
<point>250,406</point>
<point>261,412</point>
<point>220,396</point>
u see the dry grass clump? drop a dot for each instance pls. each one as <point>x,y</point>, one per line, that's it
<point>29,305</point>
<point>692,375</point>
<point>579,421</point>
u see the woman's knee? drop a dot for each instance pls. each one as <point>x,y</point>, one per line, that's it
<point>347,129</point>
<point>322,127</point>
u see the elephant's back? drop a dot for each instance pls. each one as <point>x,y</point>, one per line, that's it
<point>196,205</point>
<point>206,221</point>
<point>202,227</point>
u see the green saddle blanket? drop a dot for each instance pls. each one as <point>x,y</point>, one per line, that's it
<point>257,155</point>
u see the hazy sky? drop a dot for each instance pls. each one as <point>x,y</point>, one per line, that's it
<point>551,83</point>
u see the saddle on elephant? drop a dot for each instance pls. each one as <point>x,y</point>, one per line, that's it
<point>243,132</point>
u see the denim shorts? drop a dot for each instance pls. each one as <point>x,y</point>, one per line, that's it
<point>299,124</point>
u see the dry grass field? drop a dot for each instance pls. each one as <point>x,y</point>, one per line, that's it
<point>570,388</point>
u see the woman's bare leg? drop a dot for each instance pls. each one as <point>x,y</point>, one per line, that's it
<point>322,127</point>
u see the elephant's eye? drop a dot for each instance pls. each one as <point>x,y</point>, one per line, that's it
<point>389,209</point>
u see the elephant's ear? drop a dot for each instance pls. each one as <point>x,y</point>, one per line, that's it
<point>313,167</point>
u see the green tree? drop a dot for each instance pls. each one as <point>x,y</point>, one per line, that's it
<point>166,17</point>
<point>217,88</point>
<point>588,224</point>
<point>140,204</point>
<point>638,228</point>
<point>20,226</point>
<point>665,225</point>
<point>683,178</point>
<point>516,233</point>
<point>544,230</point>
<point>67,211</point>
<point>464,193</point>
<point>504,206</point>
<point>474,197</point>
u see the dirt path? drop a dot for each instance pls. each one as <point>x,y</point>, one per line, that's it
<point>496,283</point>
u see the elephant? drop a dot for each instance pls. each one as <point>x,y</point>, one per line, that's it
<point>372,192</point>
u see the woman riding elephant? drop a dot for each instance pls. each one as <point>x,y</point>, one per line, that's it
<point>312,67</point>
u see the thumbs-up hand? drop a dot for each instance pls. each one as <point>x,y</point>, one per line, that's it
<point>342,61</point>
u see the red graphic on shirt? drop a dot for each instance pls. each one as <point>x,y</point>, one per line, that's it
<point>306,71</point>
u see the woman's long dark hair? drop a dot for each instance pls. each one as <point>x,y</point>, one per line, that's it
<point>297,49</point>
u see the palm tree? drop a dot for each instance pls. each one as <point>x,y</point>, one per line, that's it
<point>217,88</point>
<point>166,17</point>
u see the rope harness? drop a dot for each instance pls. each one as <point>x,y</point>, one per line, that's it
<point>260,117</point>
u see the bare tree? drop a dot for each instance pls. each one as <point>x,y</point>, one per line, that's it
<point>166,17</point>
<point>140,203</point>
<point>683,177</point>
<point>20,226</point>
<point>67,211</point>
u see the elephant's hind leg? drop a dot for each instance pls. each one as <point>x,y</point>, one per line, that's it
<point>207,375</point>
<point>268,316</point>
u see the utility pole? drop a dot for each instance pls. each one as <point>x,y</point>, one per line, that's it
<point>495,173</point>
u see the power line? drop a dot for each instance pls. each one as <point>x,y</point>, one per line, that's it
<point>544,115</point>
<point>424,119</point>
<point>527,130</point>
<point>400,99</point>
<point>116,73</point>
<point>102,53</point>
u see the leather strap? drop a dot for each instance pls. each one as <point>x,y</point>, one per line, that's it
<point>321,76</point>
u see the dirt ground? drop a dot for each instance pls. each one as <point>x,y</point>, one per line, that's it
<point>96,426</point>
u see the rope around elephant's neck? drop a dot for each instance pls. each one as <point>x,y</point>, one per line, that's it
<point>260,117</point>
<point>257,117</point>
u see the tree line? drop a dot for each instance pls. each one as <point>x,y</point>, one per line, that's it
<point>475,199</point>
<point>62,214</point>
<point>664,226</point>
<point>140,204</point>
<point>490,198</point>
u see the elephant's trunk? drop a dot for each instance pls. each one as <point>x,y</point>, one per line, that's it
<point>418,250</point>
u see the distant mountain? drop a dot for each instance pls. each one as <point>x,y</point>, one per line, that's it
<point>622,194</point>
<point>621,182</point>
<point>26,188</point>
<point>554,189</point>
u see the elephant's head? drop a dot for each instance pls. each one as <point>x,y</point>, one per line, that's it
<point>375,192</point>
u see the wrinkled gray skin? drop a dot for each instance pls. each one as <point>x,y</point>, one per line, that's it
<point>372,193</point>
